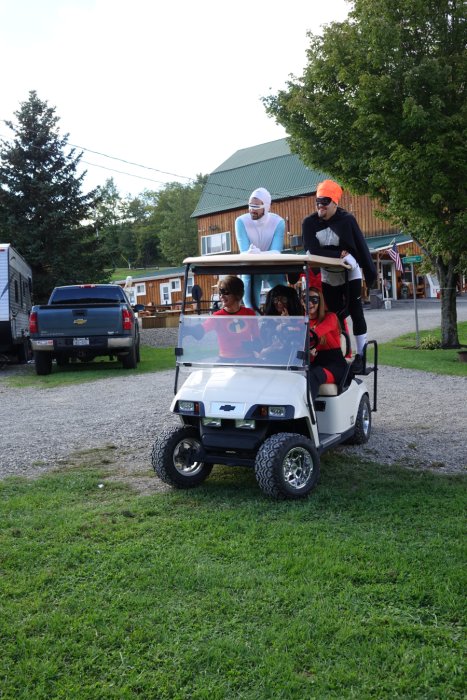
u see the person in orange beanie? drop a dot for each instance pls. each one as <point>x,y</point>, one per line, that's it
<point>333,232</point>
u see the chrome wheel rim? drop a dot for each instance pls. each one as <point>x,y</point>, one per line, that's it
<point>298,467</point>
<point>182,457</point>
<point>366,418</point>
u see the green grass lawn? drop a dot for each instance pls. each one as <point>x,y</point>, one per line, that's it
<point>152,360</point>
<point>402,352</point>
<point>220,593</point>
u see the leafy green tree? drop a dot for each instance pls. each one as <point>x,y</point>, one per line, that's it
<point>382,107</point>
<point>178,232</point>
<point>107,215</point>
<point>42,208</point>
<point>139,211</point>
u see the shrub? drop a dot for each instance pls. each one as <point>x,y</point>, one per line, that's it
<point>430,342</point>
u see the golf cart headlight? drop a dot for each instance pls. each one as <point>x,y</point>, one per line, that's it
<point>212,422</point>
<point>276,411</point>
<point>245,424</point>
<point>186,406</point>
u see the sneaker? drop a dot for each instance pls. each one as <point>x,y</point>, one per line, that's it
<point>357,365</point>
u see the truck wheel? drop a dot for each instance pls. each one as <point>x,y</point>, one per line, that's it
<point>43,362</point>
<point>362,424</point>
<point>287,466</point>
<point>174,460</point>
<point>130,361</point>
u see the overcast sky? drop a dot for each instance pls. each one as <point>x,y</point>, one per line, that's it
<point>174,86</point>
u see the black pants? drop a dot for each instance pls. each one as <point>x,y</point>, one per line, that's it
<point>317,377</point>
<point>336,301</point>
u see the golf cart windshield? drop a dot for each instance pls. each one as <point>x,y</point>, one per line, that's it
<point>259,341</point>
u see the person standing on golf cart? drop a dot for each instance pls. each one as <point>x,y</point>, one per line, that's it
<point>335,233</point>
<point>327,363</point>
<point>256,232</point>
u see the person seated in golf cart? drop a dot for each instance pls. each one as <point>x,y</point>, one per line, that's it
<point>236,338</point>
<point>327,363</point>
<point>284,302</point>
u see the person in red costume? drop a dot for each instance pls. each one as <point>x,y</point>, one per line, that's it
<point>327,363</point>
<point>234,338</point>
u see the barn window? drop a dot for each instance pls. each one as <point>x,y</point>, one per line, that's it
<point>140,289</point>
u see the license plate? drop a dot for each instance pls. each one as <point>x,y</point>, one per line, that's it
<point>80,341</point>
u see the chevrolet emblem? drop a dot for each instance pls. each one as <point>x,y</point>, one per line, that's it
<point>80,321</point>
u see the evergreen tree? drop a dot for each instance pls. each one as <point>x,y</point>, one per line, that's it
<point>43,212</point>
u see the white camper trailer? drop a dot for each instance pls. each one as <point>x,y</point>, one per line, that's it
<point>15,303</point>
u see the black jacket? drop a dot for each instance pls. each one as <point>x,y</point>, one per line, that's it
<point>345,226</point>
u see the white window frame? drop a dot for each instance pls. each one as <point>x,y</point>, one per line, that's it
<point>189,285</point>
<point>175,284</point>
<point>216,243</point>
<point>165,289</point>
<point>140,289</point>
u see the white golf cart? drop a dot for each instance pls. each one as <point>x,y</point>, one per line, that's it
<point>254,408</point>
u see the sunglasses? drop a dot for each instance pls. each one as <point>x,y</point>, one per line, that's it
<point>282,300</point>
<point>224,293</point>
<point>256,207</point>
<point>323,201</point>
<point>313,300</point>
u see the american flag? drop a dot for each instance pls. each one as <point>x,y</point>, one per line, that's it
<point>394,255</point>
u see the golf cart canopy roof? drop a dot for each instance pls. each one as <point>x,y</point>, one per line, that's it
<point>250,262</point>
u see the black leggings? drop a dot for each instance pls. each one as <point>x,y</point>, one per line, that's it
<point>336,300</point>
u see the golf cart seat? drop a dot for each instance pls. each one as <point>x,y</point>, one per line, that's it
<point>336,389</point>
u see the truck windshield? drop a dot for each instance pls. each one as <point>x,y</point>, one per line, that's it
<point>260,341</point>
<point>87,295</point>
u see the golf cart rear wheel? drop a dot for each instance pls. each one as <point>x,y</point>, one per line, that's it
<point>362,424</point>
<point>174,457</point>
<point>287,466</point>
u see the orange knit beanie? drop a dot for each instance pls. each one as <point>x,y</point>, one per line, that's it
<point>329,188</point>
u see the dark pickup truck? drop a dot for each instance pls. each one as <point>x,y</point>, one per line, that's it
<point>84,321</point>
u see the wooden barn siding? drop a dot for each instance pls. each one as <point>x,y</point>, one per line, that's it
<point>294,211</point>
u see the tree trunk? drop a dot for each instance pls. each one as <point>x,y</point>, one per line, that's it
<point>447,283</point>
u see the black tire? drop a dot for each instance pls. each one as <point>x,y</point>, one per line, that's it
<point>63,360</point>
<point>362,424</point>
<point>43,362</point>
<point>172,458</point>
<point>138,352</point>
<point>287,466</point>
<point>130,361</point>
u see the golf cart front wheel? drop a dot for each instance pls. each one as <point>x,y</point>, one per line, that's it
<point>174,457</point>
<point>287,466</point>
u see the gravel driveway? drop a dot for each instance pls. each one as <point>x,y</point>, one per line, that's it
<point>420,421</point>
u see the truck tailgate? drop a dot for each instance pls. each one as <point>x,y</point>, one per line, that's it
<point>79,320</point>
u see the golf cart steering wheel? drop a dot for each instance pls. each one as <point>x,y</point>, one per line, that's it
<point>314,339</point>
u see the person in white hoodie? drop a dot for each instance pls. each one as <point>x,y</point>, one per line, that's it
<point>257,232</point>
